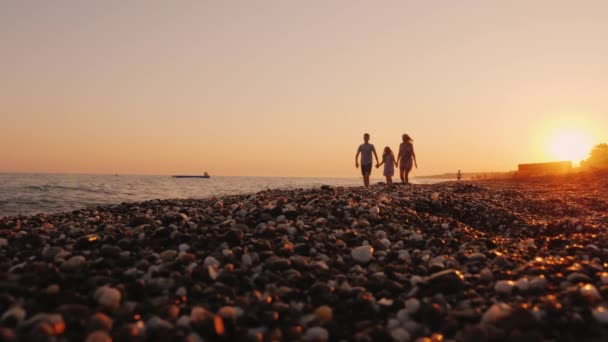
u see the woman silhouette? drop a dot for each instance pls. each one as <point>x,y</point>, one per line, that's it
<point>405,157</point>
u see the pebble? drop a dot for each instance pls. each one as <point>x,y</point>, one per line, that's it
<point>538,283</point>
<point>317,334</point>
<point>362,254</point>
<point>590,293</point>
<point>13,316</point>
<point>522,284</point>
<point>400,335</point>
<point>504,286</point>
<point>600,314</point>
<point>496,313</point>
<point>199,314</point>
<point>74,264</point>
<point>412,305</point>
<point>447,281</point>
<point>324,313</point>
<point>100,321</point>
<point>98,336</point>
<point>108,297</point>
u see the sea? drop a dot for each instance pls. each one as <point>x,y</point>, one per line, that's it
<point>31,194</point>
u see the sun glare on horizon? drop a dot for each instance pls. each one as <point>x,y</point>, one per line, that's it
<point>573,145</point>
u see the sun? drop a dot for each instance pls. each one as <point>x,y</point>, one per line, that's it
<point>570,145</point>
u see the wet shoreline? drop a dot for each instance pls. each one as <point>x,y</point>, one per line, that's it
<point>471,261</point>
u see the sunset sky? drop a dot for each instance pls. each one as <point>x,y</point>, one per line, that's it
<point>287,88</point>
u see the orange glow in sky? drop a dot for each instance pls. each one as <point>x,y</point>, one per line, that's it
<point>287,88</point>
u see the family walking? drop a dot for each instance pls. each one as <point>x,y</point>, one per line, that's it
<point>404,161</point>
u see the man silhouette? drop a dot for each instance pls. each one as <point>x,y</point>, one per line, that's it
<point>366,149</point>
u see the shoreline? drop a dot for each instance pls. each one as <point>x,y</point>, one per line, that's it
<point>485,260</point>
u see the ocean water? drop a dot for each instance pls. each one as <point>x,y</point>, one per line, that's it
<point>29,194</point>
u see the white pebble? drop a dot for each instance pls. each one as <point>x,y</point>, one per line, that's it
<point>211,261</point>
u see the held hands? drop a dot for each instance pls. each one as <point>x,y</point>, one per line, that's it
<point>377,165</point>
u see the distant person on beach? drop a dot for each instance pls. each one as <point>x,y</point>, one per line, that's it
<point>366,149</point>
<point>405,158</point>
<point>459,175</point>
<point>389,161</point>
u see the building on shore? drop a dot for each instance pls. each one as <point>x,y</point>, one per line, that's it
<point>551,168</point>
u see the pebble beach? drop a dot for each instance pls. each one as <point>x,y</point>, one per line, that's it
<point>507,260</point>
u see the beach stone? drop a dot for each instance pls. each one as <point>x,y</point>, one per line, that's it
<point>110,251</point>
<point>496,312</point>
<point>477,257</point>
<point>600,314</point>
<point>74,264</point>
<point>13,316</point>
<point>578,277</point>
<point>43,325</point>
<point>400,335</point>
<point>324,313</point>
<point>504,286</point>
<point>538,283</point>
<point>362,254</point>
<point>49,253</point>
<point>211,262</point>
<point>277,263</point>
<point>108,297</point>
<point>198,314</point>
<point>412,305</point>
<point>316,334</point>
<point>140,221</point>
<point>522,284</point>
<point>3,242</point>
<point>590,293</point>
<point>87,241</point>
<point>486,275</point>
<point>100,321</point>
<point>227,312</point>
<point>447,282</point>
<point>168,255</point>
<point>98,336</point>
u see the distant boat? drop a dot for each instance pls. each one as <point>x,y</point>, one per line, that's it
<point>205,175</point>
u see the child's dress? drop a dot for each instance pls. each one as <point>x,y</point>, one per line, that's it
<point>389,165</point>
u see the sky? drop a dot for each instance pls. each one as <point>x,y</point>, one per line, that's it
<point>287,88</point>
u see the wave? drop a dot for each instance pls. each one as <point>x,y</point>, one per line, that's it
<point>49,188</point>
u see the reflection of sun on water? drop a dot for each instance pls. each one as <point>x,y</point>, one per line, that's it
<point>570,145</point>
